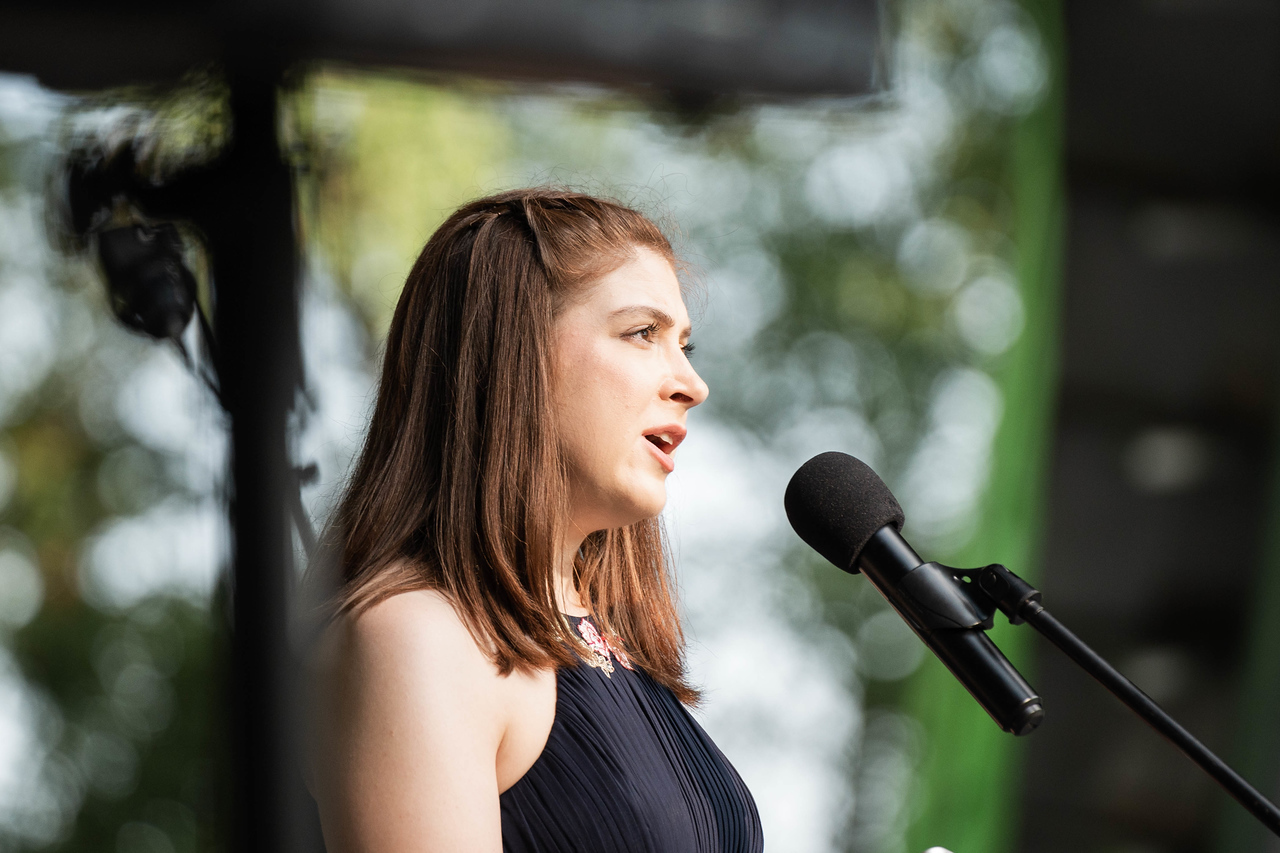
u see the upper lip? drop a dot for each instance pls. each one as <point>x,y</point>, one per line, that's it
<point>670,436</point>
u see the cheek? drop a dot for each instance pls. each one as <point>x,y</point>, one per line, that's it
<point>598,404</point>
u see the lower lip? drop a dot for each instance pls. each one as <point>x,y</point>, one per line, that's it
<point>668,463</point>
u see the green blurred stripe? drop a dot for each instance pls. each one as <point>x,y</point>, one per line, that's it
<point>966,797</point>
<point>1256,753</point>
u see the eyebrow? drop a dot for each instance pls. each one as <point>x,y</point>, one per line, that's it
<point>657,315</point>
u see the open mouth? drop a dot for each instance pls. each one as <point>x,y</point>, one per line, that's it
<point>666,439</point>
<point>662,441</point>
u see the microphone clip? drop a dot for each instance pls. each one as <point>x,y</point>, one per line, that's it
<point>1009,593</point>
<point>939,596</point>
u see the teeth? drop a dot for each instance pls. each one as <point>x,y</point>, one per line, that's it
<point>660,439</point>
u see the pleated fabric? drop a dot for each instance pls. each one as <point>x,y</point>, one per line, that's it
<point>626,768</point>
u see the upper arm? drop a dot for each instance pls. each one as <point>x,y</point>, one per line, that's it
<point>406,734</point>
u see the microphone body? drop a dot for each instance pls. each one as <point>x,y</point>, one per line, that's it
<point>846,513</point>
<point>916,589</point>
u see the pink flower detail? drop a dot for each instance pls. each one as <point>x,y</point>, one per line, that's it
<point>603,648</point>
<point>592,638</point>
<point>616,648</point>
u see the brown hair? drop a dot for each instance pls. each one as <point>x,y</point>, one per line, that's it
<point>460,487</point>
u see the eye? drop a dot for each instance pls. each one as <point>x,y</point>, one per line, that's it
<point>687,349</point>
<point>646,333</point>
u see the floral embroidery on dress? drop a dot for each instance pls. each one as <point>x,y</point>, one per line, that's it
<point>599,649</point>
<point>616,648</point>
<point>603,648</point>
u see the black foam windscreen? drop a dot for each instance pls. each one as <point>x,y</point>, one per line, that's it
<point>836,503</point>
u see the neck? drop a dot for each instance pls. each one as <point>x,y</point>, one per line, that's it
<point>566,591</point>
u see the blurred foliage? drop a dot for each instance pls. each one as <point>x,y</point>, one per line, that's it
<point>389,159</point>
<point>138,699</point>
<point>111,709</point>
<point>969,794</point>
<point>864,273</point>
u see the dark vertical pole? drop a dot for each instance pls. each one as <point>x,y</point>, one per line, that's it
<point>255,272</point>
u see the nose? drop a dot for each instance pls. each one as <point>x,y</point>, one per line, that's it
<point>685,386</point>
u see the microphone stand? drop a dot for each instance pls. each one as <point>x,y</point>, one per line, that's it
<point>996,588</point>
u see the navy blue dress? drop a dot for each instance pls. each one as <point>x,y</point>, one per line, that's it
<point>626,768</point>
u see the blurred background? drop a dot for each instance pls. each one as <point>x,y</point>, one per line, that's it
<point>1021,258</point>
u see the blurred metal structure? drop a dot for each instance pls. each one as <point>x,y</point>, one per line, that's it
<point>805,47</point>
<point>1167,421</point>
<point>243,203</point>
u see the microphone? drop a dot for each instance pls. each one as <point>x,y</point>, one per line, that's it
<point>846,513</point>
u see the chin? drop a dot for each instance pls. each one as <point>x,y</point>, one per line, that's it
<point>643,504</point>
<point>621,499</point>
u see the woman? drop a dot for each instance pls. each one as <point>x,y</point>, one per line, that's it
<point>505,669</point>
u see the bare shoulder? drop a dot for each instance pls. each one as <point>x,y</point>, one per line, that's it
<point>415,618</point>
<point>423,610</point>
<point>413,632</point>
<point>407,711</point>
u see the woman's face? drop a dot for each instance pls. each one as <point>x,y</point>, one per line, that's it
<point>623,387</point>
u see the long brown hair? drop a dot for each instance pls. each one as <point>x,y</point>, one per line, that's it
<point>460,487</point>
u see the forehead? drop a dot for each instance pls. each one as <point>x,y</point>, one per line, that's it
<point>647,278</point>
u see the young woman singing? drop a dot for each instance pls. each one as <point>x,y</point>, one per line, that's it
<point>504,666</point>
